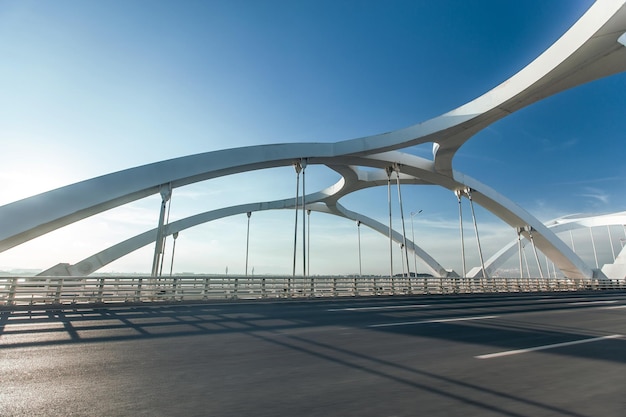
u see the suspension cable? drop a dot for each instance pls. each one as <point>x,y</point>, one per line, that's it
<point>532,241</point>
<point>468,191</point>
<point>519,247</point>
<point>167,222</point>
<point>298,168</point>
<point>458,196</point>
<point>303,163</point>
<point>388,170</point>
<point>593,244</point>
<point>406,249</point>
<point>249,214</point>
<point>608,227</point>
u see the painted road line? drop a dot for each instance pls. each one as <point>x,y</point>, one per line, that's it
<point>613,307</point>
<point>407,323</point>
<point>545,347</point>
<point>396,307</point>
<point>551,299</point>
<point>592,302</point>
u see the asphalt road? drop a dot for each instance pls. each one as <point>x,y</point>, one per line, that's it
<point>494,355</point>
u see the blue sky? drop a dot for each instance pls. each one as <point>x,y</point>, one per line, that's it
<point>89,88</point>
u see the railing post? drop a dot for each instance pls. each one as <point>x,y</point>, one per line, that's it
<point>138,290</point>
<point>175,287</point>
<point>205,290</point>
<point>12,291</point>
<point>100,289</point>
<point>57,296</point>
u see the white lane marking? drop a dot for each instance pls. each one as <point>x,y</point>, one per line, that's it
<point>544,347</point>
<point>396,307</point>
<point>406,323</point>
<point>544,299</point>
<point>613,307</point>
<point>593,302</point>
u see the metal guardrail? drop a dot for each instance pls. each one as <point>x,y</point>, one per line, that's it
<point>110,289</point>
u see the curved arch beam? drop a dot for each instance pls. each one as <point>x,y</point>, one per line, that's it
<point>34,216</point>
<point>317,202</point>
<point>589,50</point>
<point>509,212</point>
<point>421,171</point>
<point>562,224</point>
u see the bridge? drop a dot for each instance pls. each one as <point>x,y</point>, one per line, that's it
<point>591,49</point>
<point>545,338</point>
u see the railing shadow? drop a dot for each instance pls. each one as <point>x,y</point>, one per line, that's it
<point>275,322</point>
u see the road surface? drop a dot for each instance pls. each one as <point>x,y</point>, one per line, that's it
<point>480,355</point>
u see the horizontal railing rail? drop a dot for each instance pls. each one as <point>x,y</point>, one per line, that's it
<point>16,290</point>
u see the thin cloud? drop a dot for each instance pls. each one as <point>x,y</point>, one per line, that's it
<point>596,194</point>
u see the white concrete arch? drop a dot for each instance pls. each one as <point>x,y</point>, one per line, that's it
<point>415,170</point>
<point>562,224</point>
<point>94,262</point>
<point>422,170</point>
<point>509,212</point>
<point>589,50</point>
<point>324,201</point>
<point>34,216</point>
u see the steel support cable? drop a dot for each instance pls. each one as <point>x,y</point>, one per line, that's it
<point>519,250</point>
<point>593,245</point>
<point>526,262</point>
<point>175,281</point>
<point>480,252</point>
<point>402,259</point>
<point>303,163</point>
<point>248,214</point>
<point>406,249</point>
<point>388,170</point>
<point>458,196</point>
<point>532,241</point>
<point>413,240</point>
<point>358,232</point>
<point>308,248</point>
<point>158,247</point>
<point>167,222</point>
<point>298,168</point>
<point>608,228</point>
<point>174,236</point>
